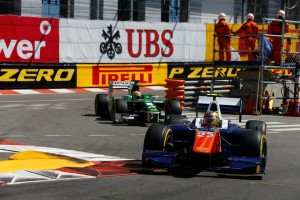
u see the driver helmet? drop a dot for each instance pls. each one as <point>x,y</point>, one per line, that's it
<point>136,95</point>
<point>211,119</point>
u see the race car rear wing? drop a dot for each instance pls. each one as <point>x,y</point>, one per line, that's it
<point>224,103</point>
<point>120,85</point>
<point>123,85</point>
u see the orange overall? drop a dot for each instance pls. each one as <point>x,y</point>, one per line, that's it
<point>275,28</point>
<point>250,29</point>
<point>223,33</point>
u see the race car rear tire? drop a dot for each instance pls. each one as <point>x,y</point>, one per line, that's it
<point>176,119</point>
<point>254,144</point>
<point>172,106</point>
<point>120,106</point>
<point>256,125</point>
<point>158,137</point>
<point>101,105</point>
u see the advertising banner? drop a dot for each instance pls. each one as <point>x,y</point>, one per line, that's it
<point>37,76</point>
<point>199,71</point>
<point>83,41</point>
<point>89,75</point>
<point>28,39</point>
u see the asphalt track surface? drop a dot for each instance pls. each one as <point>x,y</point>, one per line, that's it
<point>67,121</point>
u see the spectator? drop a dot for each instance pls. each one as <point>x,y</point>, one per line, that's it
<point>250,30</point>
<point>275,28</point>
<point>223,34</point>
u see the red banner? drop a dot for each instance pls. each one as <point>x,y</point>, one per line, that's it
<point>29,39</point>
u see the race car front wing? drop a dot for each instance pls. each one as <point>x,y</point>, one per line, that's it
<point>237,164</point>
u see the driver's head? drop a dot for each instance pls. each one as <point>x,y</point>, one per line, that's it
<point>136,95</point>
<point>211,119</point>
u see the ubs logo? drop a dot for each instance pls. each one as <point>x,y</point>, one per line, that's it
<point>110,46</point>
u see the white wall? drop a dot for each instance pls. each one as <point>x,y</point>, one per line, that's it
<point>153,11</point>
<point>82,9</point>
<point>31,8</point>
<point>110,9</point>
<point>195,11</point>
<point>211,9</point>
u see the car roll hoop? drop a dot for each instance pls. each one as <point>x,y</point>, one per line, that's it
<point>213,103</point>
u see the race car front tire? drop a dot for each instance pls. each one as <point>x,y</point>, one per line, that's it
<point>254,144</point>
<point>158,137</point>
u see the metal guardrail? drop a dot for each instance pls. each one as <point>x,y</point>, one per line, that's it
<point>199,87</point>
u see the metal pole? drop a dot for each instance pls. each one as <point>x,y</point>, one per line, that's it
<point>297,81</point>
<point>214,51</point>
<point>282,41</point>
<point>261,68</point>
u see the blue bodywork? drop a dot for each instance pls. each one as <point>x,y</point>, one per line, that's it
<point>234,156</point>
<point>230,160</point>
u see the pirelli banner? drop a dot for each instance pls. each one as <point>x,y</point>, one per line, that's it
<point>99,75</point>
<point>37,76</point>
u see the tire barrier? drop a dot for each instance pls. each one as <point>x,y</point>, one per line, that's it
<point>175,90</point>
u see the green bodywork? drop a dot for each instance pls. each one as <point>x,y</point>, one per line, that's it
<point>146,103</point>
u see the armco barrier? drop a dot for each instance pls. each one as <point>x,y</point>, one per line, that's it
<point>187,91</point>
<point>197,87</point>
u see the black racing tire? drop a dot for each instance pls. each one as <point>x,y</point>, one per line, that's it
<point>172,106</point>
<point>101,105</point>
<point>257,125</point>
<point>121,106</point>
<point>176,119</point>
<point>158,137</point>
<point>254,144</point>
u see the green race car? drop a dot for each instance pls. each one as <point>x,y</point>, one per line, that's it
<point>134,106</point>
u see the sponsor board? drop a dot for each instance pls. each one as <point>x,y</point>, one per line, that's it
<point>29,39</point>
<point>203,71</point>
<point>37,76</point>
<point>130,42</point>
<point>89,75</point>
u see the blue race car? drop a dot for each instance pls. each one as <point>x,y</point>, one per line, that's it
<point>208,143</point>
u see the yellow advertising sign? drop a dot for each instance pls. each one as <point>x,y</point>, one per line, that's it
<point>99,75</point>
<point>198,72</point>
